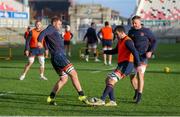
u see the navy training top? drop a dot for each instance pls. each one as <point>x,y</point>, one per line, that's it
<point>53,39</point>
<point>144,40</point>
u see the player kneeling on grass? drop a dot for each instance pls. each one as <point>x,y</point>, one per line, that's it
<point>127,53</point>
<point>32,50</point>
<point>61,64</point>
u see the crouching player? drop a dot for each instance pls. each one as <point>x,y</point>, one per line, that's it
<point>61,64</point>
<point>126,56</point>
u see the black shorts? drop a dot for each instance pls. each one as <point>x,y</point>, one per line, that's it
<point>67,42</point>
<point>143,59</point>
<point>61,64</point>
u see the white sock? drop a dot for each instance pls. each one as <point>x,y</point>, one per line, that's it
<point>41,75</point>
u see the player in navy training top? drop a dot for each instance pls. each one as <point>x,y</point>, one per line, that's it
<point>92,41</point>
<point>145,42</point>
<point>61,64</point>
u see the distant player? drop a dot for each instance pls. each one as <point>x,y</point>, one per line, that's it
<point>27,32</point>
<point>61,64</point>
<point>67,40</point>
<point>127,53</point>
<point>145,42</point>
<point>32,50</point>
<point>107,38</point>
<point>92,41</point>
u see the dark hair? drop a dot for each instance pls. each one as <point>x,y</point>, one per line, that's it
<point>136,17</point>
<point>92,23</point>
<point>119,28</point>
<point>106,23</point>
<point>55,19</point>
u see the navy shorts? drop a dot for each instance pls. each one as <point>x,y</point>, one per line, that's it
<point>67,42</point>
<point>123,69</point>
<point>143,63</point>
<point>143,59</point>
<point>36,51</point>
<point>107,43</point>
<point>61,64</point>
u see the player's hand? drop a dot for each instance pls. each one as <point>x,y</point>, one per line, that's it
<point>149,55</point>
<point>40,45</point>
<point>26,53</point>
<point>46,53</point>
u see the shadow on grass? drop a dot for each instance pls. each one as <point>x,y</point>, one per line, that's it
<point>39,99</point>
<point>69,105</point>
<point>8,78</point>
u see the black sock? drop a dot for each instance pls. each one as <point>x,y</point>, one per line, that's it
<point>107,90</point>
<point>95,55</point>
<point>52,95</point>
<point>139,95</point>
<point>135,94</point>
<point>111,95</point>
<point>81,93</point>
<point>86,52</point>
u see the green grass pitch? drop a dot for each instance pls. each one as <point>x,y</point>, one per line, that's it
<point>161,94</point>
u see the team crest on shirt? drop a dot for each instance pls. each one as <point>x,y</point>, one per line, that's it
<point>142,33</point>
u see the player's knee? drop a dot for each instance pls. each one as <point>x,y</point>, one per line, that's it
<point>73,73</point>
<point>30,60</point>
<point>41,61</point>
<point>141,76</point>
<point>109,48</point>
<point>64,79</point>
<point>143,69</point>
<point>105,48</point>
<point>111,80</point>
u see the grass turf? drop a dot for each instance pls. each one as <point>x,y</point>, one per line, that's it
<point>28,97</point>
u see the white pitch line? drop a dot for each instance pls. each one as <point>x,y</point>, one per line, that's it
<point>6,93</point>
<point>95,72</point>
<point>2,94</point>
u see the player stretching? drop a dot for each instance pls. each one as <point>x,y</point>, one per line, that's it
<point>67,40</point>
<point>31,51</point>
<point>107,37</point>
<point>145,43</point>
<point>127,53</point>
<point>92,41</point>
<point>61,64</point>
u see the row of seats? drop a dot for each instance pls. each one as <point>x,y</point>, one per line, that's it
<point>159,9</point>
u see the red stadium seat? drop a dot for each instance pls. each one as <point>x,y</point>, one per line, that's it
<point>159,9</point>
<point>6,7</point>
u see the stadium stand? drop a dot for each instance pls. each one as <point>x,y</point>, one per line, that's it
<point>14,18</point>
<point>6,7</point>
<point>162,16</point>
<point>159,9</point>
